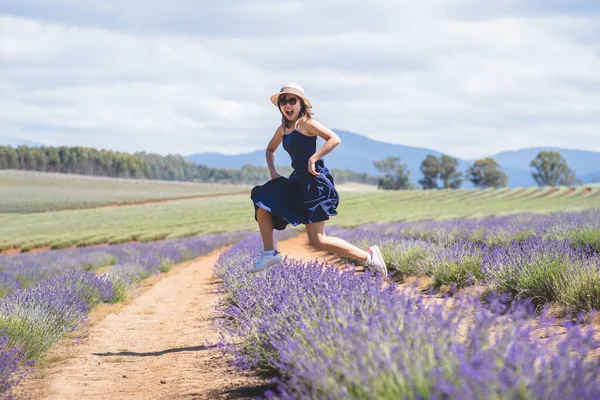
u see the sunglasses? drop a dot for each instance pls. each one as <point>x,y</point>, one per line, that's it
<point>291,101</point>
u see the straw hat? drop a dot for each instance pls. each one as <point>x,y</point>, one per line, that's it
<point>291,88</point>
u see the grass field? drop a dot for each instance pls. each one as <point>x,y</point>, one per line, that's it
<point>231,213</point>
<point>551,259</point>
<point>34,192</point>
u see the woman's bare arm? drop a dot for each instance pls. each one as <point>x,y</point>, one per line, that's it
<point>270,152</point>
<point>315,128</point>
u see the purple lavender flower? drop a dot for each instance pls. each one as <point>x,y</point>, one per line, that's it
<point>330,334</point>
<point>11,359</point>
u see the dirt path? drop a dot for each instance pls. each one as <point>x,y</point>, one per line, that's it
<point>157,346</point>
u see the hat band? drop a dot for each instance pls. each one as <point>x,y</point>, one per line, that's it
<point>292,91</point>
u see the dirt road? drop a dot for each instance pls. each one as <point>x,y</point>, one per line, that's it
<point>159,345</point>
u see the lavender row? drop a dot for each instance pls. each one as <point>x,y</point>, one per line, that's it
<point>543,270</point>
<point>35,318</point>
<point>330,335</point>
<point>582,229</point>
<point>10,362</point>
<point>23,270</point>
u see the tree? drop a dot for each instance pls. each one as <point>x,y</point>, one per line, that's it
<point>551,169</point>
<point>395,174</point>
<point>430,167</point>
<point>9,159</point>
<point>448,174</point>
<point>53,157</point>
<point>486,173</point>
<point>444,168</point>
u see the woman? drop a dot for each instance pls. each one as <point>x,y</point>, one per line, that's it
<point>308,196</point>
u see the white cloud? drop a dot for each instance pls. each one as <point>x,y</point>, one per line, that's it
<point>183,78</point>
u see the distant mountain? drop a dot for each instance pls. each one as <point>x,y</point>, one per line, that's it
<point>358,152</point>
<point>581,161</point>
<point>15,142</point>
<point>592,177</point>
<point>220,160</point>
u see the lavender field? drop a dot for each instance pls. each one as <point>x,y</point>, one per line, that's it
<point>551,258</point>
<point>45,295</point>
<point>327,334</point>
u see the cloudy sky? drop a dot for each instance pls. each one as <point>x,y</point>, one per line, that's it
<point>466,77</point>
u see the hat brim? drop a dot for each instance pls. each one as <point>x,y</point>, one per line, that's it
<point>288,90</point>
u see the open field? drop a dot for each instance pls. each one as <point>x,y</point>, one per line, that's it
<point>412,335</point>
<point>232,213</point>
<point>34,192</point>
<point>356,187</point>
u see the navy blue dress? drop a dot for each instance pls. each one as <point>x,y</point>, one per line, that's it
<point>301,198</point>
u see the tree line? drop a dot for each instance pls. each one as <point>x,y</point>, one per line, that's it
<point>73,160</point>
<point>549,168</point>
<point>142,165</point>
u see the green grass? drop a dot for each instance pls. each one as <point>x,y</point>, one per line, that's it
<point>34,192</point>
<point>583,237</point>
<point>464,273</point>
<point>579,290</point>
<point>358,208</point>
<point>232,213</point>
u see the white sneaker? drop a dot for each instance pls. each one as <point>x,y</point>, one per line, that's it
<point>377,262</point>
<point>266,260</point>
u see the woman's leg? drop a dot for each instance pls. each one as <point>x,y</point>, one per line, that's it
<point>318,239</point>
<point>265,224</point>
<point>269,256</point>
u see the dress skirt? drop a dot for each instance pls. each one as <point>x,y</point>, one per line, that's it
<point>301,198</point>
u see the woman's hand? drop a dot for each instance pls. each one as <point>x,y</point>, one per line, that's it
<point>311,166</point>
